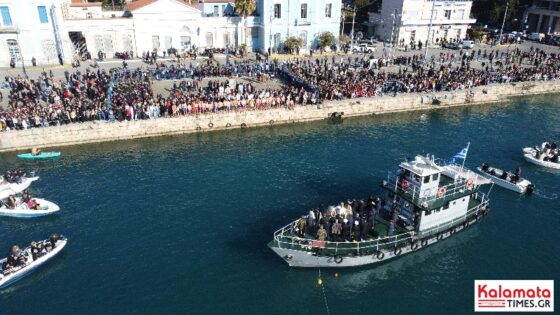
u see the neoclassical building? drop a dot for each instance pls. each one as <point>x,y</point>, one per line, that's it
<point>54,30</point>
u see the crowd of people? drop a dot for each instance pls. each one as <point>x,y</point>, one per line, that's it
<point>347,78</point>
<point>125,94</point>
<point>349,221</point>
<point>14,176</point>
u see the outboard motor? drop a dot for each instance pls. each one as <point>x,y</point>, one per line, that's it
<point>530,188</point>
<point>484,167</point>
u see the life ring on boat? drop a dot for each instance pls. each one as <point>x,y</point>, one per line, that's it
<point>243,125</point>
<point>338,259</point>
<point>424,243</point>
<point>405,184</point>
<point>441,192</point>
<point>397,251</point>
<point>380,255</point>
<point>228,125</point>
<point>210,125</point>
<point>439,236</point>
<point>198,128</point>
<point>465,224</point>
<point>470,183</point>
<point>414,245</point>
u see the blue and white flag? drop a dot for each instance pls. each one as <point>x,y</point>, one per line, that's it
<point>461,155</point>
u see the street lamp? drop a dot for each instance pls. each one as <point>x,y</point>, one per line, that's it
<point>21,56</point>
<point>503,23</point>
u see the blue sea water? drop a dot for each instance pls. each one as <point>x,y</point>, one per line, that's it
<point>179,225</point>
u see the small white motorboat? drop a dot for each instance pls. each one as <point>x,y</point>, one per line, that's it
<point>547,155</point>
<point>22,210</point>
<point>8,277</point>
<point>7,188</point>
<point>506,180</point>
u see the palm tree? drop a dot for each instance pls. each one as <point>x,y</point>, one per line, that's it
<point>245,8</point>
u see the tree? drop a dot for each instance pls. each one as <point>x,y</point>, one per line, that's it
<point>245,8</point>
<point>478,33</point>
<point>326,39</point>
<point>293,44</point>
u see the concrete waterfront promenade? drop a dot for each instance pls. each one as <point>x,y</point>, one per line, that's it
<point>101,131</point>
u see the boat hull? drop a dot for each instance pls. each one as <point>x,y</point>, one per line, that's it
<point>529,157</point>
<point>12,278</point>
<point>42,156</point>
<point>306,259</point>
<point>521,188</point>
<point>21,212</point>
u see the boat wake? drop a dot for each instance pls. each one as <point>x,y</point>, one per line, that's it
<point>545,195</point>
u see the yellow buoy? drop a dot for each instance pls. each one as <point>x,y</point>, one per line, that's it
<point>336,274</point>
<point>320,281</point>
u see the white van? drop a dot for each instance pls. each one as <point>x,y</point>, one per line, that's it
<point>536,36</point>
<point>467,44</point>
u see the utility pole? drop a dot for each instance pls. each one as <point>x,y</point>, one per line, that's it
<point>353,21</point>
<point>503,23</point>
<point>430,29</point>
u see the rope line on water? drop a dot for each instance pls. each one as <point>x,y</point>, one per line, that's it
<point>324,294</point>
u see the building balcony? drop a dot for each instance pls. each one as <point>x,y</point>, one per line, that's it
<point>9,29</point>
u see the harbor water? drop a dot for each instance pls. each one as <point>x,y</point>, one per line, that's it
<point>179,224</point>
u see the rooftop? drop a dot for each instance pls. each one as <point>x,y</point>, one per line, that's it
<point>422,166</point>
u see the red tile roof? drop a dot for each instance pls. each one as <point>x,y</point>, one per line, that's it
<point>137,4</point>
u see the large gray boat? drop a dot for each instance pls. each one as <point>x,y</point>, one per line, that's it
<point>424,202</point>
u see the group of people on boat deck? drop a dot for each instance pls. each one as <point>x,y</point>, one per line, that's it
<point>349,221</point>
<point>12,202</point>
<point>514,178</point>
<point>14,176</point>
<point>18,258</point>
<point>549,152</point>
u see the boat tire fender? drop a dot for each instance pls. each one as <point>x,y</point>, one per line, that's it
<point>397,251</point>
<point>228,125</point>
<point>338,259</point>
<point>452,231</point>
<point>465,224</point>
<point>380,255</point>
<point>439,236</point>
<point>271,122</point>
<point>198,128</point>
<point>414,245</point>
<point>243,125</point>
<point>210,125</point>
<point>424,243</point>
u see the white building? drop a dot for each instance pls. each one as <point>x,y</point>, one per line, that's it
<point>300,18</point>
<point>406,21</point>
<point>47,29</point>
<point>30,30</point>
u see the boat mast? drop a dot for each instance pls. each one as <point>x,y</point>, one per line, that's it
<point>467,152</point>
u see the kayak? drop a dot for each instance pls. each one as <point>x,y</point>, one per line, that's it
<point>40,156</point>
<point>23,211</point>
<point>18,273</point>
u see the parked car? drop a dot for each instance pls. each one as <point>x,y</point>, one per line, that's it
<point>536,36</point>
<point>451,46</point>
<point>363,48</point>
<point>467,44</point>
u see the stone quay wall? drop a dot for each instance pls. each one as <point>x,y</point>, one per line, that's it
<point>91,132</point>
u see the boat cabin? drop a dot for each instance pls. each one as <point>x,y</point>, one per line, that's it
<point>426,197</point>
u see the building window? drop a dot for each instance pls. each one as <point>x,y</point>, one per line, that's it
<point>447,14</point>
<point>328,10</point>
<point>461,13</point>
<point>304,11</point>
<point>155,42</point>
<point>277,11</point>
<point>13,49</point>
<point>303,37</point>
<point>216,10</point>
<point>43,18</point>
<point>6,18</point>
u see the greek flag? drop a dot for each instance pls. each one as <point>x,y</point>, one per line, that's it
<point>461,155</point>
